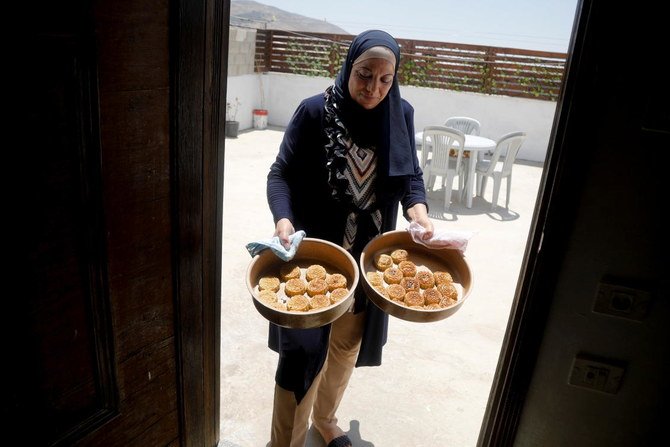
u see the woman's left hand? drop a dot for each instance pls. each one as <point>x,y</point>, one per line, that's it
<point>419,214</point>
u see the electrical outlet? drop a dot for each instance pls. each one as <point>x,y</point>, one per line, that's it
<point>621,301</point>
<point>596,374</point>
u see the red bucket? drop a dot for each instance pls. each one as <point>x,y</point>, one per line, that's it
<point>260,118</point>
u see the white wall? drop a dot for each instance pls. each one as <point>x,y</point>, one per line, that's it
<point>498,114</point>
<point>288,90</point>
<point>247,89</point>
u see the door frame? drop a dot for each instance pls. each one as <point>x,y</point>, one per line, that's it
<point>538,273</point>
<point>198,72</point>
<point>546,244</point>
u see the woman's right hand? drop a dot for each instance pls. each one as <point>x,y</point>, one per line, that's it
<point>284,229</point>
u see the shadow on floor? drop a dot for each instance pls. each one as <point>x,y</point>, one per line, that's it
<point>314,439</point>
<point>480,206</point>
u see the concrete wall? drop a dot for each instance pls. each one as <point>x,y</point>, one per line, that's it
<point>498,114</point>
<point>280,94</point>
<point>241,50</point>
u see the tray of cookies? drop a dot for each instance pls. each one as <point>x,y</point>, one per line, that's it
<point>411,281</point>
<point>311,290</point>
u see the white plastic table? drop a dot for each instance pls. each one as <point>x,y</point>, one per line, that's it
<point>474,144</point>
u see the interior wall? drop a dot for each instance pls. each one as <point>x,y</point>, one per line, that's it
<point>607,203</point>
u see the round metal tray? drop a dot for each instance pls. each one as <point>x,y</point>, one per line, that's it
<point>311,251</point>
<point>433,259</point>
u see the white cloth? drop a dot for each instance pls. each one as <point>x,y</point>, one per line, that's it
<point>276,246</point>
<point>457,240</point>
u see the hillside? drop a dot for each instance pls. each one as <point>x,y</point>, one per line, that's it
<point>252,14</point>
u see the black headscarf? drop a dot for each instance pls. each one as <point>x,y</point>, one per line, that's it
<point>384,126</point>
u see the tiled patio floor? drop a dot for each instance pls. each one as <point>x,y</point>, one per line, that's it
<point>433,386</point>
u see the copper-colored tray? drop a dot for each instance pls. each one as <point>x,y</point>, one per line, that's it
<point>433,259</point>
<point>311,251</point>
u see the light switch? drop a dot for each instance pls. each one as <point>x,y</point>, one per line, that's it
<point>621,301</point>
<point>596,374</point>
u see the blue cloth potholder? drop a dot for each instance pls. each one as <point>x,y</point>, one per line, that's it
<point>275,245</point>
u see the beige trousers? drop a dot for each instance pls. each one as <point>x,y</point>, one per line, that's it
<point>291,421</point>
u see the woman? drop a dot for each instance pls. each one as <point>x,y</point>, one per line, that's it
<point>345,164</point>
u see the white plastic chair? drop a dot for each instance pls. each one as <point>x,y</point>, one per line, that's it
<point>499,166</point>
<point>467,125</point>
<point>443,140</point>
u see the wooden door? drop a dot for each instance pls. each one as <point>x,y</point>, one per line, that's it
<point>111,328</point>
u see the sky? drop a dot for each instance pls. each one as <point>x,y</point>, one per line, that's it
<point>544,25</point>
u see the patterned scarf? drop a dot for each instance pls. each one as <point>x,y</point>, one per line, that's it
<point>351,172</point>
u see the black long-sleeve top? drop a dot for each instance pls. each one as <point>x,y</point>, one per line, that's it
<point>298,189</point>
